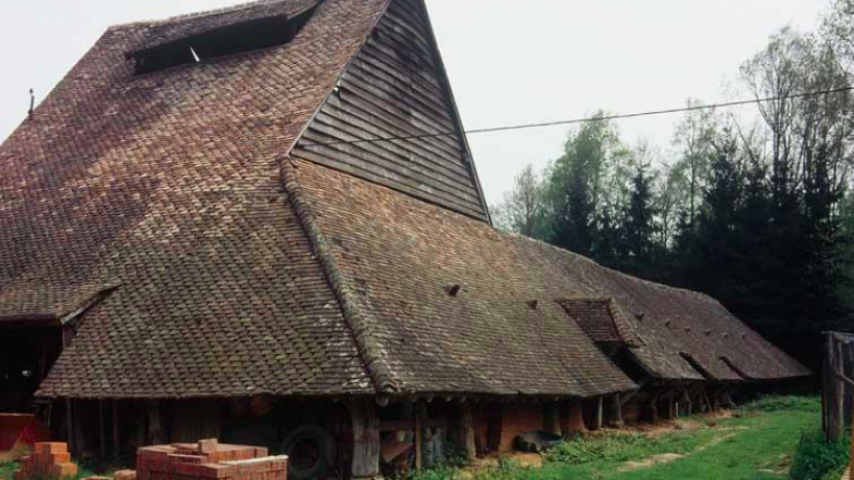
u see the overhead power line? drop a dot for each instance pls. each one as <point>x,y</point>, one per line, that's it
<point>529,126</point>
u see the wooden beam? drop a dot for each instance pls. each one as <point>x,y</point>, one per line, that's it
<point>364,417</point>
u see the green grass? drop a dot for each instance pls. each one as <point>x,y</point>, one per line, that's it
<point>6,470</point>
<point>757,444</point>
<point>84,471</point>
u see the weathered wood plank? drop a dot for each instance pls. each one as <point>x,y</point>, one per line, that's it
<point>408,163</point>
<point>373,124</point>
<point>394,87</point>
<point>450,143</point>
<point>373,177</point>
<point>450,158</point>
<point>372,156</point>
<point>429,103</point>
<point>366,439</point>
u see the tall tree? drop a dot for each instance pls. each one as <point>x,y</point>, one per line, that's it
<point>580,182</point>
<point>638,223</point>
<point>524,208</point>
<point>694,137</point>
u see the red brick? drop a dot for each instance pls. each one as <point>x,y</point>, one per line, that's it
<point>209,445</point>
<point>64,470</point>
<point>125,475</point>
<point>60,458</point>
<point>47,448</point>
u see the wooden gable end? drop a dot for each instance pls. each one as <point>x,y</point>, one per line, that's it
<point>396,87</point>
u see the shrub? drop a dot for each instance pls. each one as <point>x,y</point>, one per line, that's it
<point>618,447</point>
<point>816,459</point>
<point>785,404</point>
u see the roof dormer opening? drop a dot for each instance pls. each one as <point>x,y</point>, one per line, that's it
<point>235,39</point>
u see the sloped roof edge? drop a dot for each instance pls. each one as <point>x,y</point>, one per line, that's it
<point>373,356</point>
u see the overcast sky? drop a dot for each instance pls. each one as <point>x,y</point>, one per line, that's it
<point>510,61</point>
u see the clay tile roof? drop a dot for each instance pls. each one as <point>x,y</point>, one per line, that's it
<point>399,257</point>
<point>602,320</point>
<point>401,254</point>
<point>169,183</point>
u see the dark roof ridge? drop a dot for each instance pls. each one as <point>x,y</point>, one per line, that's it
<point>372,354</point>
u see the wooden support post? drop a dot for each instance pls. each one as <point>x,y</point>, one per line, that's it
<point>495,429</point>
<point>420,416</point>
<point>102,441</point>
<point>69,421</point>
<point>614,417</point>
<point>654,408</point>
<point>468,432</point>
<point>551,418</point>
<point>155,430</point>
<point>600,410</point>
<point>839,391</point>
<point>366,438</point>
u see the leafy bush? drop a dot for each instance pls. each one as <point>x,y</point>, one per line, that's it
<point>619,447</point>
<point>816,459</point>
<point>785,404</point>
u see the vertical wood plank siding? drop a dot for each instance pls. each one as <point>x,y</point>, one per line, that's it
<point>394,88</point>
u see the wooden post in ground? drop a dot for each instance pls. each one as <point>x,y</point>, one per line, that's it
<point>614,416</point>
<point>551,417</point>
<point>69,421</point>
<point>600,410</point>
<point>366,438</point>
<point>155,429</point>
<point>420,416</point>
<point>495,428</point>
<point>468,432</point>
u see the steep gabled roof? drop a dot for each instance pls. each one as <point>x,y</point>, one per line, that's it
<point>169,184</point>
<point>439,317</point>
<point>402,256</point>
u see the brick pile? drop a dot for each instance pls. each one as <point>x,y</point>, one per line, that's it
<point>209,460</point>
<point>49,460</point>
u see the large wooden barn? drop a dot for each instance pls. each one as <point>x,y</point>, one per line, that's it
<point>197,241</point>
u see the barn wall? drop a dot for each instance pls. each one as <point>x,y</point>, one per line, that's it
<point>396,87</point>
<point>520,418</point>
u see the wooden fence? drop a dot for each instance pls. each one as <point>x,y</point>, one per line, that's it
<point>837,384</point>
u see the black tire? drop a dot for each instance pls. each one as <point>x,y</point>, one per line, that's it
<point>309,436</point>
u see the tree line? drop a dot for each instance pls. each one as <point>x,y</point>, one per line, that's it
<point>759,215</point>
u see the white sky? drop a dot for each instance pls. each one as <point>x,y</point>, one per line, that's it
<point>510,61</point>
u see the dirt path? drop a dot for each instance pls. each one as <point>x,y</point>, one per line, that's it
<point>671,457</point>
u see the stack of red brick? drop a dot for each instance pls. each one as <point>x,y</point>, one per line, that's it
<point>48,460</point>
<point>209,460</point>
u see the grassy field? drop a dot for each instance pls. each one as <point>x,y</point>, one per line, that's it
<point>757,443</point>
